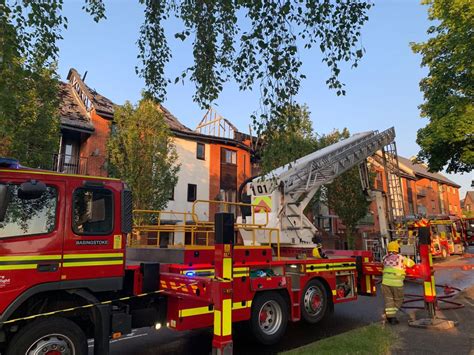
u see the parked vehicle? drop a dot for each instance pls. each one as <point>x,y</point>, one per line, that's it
<point>468,224</point>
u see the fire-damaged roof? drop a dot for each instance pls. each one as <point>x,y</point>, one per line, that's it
<point>172,121</point>
<point>72,113</point>
<point>77,100</point>
<point>102,105</point>
<point>180,130</point>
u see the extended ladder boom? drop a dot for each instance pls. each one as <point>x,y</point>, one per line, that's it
<point>287,190</point>
<point>323,166</point>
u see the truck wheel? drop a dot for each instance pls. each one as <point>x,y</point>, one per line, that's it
<point>269,317</point>
<point>49,336</point>
<point>314,302</point>
<point>444,253</point>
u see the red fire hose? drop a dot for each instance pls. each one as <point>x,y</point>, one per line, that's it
<point>449,292</point>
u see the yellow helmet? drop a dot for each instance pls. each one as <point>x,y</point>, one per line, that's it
<point>316,253</point>
<point>393,246</point>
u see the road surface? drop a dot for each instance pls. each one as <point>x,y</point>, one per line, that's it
<point>346,316</point>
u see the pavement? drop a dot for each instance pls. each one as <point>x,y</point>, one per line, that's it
<point>458,340</point>
<point>364,311</point>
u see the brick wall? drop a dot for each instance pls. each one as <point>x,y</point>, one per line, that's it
<point>243,171</point>
<point>95,147</point>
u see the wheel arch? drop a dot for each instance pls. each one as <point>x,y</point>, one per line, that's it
<point>282,291</point>
<point>90,286</point>
<point>50,301</point>
<point>327,288</point>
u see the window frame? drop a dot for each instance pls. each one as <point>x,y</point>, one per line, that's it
<point>233,152</point>
<point>195,193</point>
<point>198,144</point>
<point>56,215</point>
<point>88,234</point>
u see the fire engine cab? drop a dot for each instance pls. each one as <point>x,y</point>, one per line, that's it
<point>66,274</point>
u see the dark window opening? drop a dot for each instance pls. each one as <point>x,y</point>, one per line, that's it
<point>69,159</point>
<point>192,192</point>
<point>171,194</point>
<point>92,211</point>
<point>201,151</point>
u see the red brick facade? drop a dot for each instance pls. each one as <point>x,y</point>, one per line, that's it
<point>424,193</point>
<point>86,118</point>
<point>95,147</point>
<point>217,181</point>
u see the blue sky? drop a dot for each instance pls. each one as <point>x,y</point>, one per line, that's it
<point>382,91</point>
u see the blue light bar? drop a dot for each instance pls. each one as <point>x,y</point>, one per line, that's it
<point>9,163</point>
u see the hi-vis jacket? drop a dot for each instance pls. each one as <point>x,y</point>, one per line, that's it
<point>394,266</point>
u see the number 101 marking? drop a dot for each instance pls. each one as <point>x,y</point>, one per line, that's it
<point>261,189</point>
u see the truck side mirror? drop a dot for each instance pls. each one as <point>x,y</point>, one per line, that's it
<point>4,200</point>
<point>31,190</point>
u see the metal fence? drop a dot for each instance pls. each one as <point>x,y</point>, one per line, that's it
<point>69,164</point>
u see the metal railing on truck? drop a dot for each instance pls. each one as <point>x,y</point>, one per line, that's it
<point>156,228</point>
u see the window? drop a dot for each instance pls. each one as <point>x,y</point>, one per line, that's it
<point>171,194</point>
<point>92,211</point>
<point>192,192</point>
<point>229,156</point>
<point>201,151</point>
<point>29,216</point>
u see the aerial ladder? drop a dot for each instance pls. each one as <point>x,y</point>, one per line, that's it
<point>286,191</point>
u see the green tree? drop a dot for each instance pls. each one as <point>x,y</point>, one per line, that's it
<point>345,195</point>
<point>283,147</point>
<point>141,153</point>
<point>254,43</point>
<point>29,120</point>
<point>448,90</point>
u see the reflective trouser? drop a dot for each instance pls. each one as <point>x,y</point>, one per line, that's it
<point>393,298</point>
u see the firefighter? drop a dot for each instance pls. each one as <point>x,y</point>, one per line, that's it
<point>394,265</point>
<point>318,252</point>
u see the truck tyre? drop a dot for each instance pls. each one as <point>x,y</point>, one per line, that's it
<point>314,302</point>
<point>444,253</point>
<point>53,335</point>
<point>269,317</point>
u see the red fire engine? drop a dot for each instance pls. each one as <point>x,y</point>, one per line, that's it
<point>65,275</point>
<point>447,235</point>
<point>62,257</point>
<point>468,228</point>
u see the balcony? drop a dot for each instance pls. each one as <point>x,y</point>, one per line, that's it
<point>69,164</point>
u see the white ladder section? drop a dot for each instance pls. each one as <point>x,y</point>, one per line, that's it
<point>321,167</point>
<point>293,186</point>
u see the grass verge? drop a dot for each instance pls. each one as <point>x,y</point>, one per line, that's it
<point>372,339</point>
